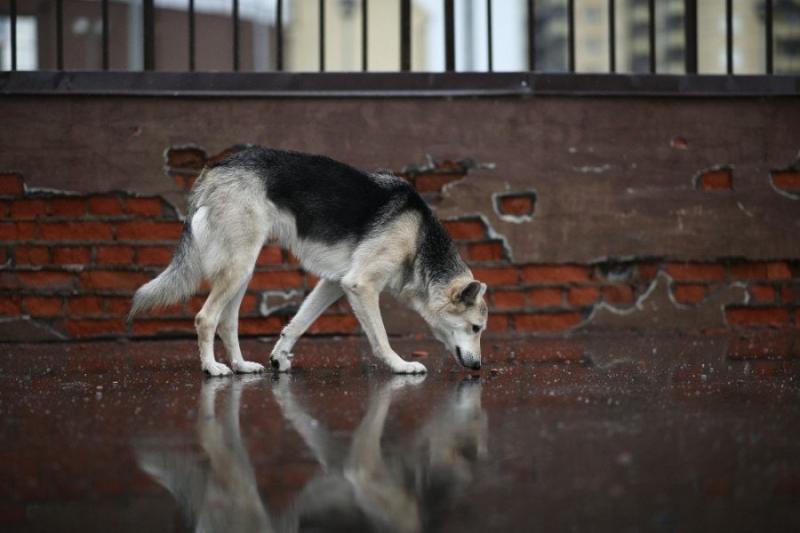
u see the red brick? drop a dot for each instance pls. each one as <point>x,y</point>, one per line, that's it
<point>646,271</point>
<point>105,205</point>
<point>696,271</point>
<point>153,255</point>
<point>508,299</point>
<point>32,255</point>
<point>43,305</point>
<point>270,255</point>
<point>95,328</point>
<point>787,180</point>
<point>757,316</point>
<point>28,208</point>
<point>790,294</point>
<point>72,256</point>
<point>76,231</point>
<point>114,255</point>
<point>277,279</point>
<point>716,180</point>
<point>517,204</point>
<point>46,280</point>
<point>292,259</point>
<point>434,182</point>
<point>485,251</point>
<point>689,293</point>
<point>762,293</point>
<point>10,305</point>
<point>260,326</point>
<point>67,207</point>
<point>779,270</point>
<point>555,273</point>
<point>149,231</point>
<point>467,229</point>
<point>496,276</point>
<point>144,206</point>
<point>118,305</point>
<point>152,327</point>
<point>249,304</point>
<point>546,321</point>
<point>546,297</point>
<point>11,184</point>
<point>186,158</point>
<point>334,324</point>
<point>17,231</point>
<point>583,296</point>
<point>113,279</point>
<point>497,322</point>
<point>85,306</point>
<point>619,294</point>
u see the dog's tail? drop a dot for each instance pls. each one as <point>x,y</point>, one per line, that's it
<point>179,281</point>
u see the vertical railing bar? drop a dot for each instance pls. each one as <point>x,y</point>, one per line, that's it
<point>364,35</point>
<point>489,47</point>
<point>13,34</point>
<point>104,18</point>
<point>531,35</point>
<point>768,33</point>
<point>60,34</point>
<point>148,29</point>
<point>729,35</point>
<point>652,32</point>
<point>405,35</point>
<point>322,35</point>
<point>191,35</point>
<point>235,20</point>
<point>690,35</point>
<point>449,36</point>
<point>571,35</point>
<point>279,35</point>
<point>612,36</point>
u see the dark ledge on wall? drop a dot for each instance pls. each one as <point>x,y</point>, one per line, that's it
<point>390,84</point>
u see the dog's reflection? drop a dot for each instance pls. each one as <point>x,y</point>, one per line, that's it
<point>360,487</point>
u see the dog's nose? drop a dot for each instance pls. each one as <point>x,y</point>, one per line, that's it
<point>476,365</point>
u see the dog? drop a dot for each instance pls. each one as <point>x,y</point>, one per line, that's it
<point>361,233</point>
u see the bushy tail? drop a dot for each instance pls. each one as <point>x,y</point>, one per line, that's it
<point>179,281</point>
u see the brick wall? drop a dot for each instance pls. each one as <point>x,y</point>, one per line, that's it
<point>73,261</point>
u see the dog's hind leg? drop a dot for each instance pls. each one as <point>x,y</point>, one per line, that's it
<point>225,286</point>
<point>320,298</point>
<point>228,331</point>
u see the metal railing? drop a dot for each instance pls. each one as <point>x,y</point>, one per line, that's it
<point>148,13</point>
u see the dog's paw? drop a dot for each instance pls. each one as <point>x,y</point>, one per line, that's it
<point>280,363</point>
<point>409,367</point>
<point>217,369</point>
<point>248,367</point>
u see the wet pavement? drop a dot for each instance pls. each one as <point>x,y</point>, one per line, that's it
<point>594,433</point>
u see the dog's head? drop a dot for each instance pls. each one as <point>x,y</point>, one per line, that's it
<point>459,322</point>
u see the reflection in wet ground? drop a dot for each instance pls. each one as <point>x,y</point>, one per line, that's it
<point>601,433</point>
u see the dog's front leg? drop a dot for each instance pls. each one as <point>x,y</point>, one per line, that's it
<point>364,298</point>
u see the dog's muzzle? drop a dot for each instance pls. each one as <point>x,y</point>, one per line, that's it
<point>474,365</point>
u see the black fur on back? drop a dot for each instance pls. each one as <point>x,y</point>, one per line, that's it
<point>332,201</point>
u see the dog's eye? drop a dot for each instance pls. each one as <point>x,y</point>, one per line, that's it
<point>475,328</point>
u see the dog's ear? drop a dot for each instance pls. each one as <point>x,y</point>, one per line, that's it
<point>470,293</point>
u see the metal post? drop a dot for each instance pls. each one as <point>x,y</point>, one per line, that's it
<point>690,29</point>
<point>60,34</point>
<point>148,30</point>
<point>104,17</point>
<point>405,35</point>
<point>279,35</point>
<point>652,31</point>
<point>364,35</point>
<point>531,35</point>
<point>612,36</point>
<point>571,35</point>
<point>321,35</point>
<point>13,34</point>
<point>191,36</point>
<point>449,36</point>
<point>489,47</point>
<point>768,31</point>
<point>729,35</point>
<point>235,20</point>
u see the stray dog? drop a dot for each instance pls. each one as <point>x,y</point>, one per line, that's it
<point>360,233</point>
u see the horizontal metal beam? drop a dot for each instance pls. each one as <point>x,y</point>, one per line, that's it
<point>394,84</point>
